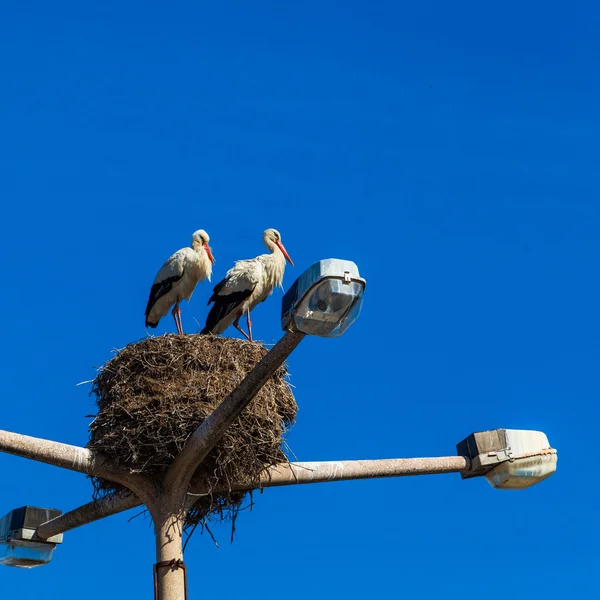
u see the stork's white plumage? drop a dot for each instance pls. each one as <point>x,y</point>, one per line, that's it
<point>246,284</point>
<point>178,278</point>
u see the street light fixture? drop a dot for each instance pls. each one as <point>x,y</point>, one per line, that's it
<point>325,300</point>
<point>19,545</point>
<point>510,459</point>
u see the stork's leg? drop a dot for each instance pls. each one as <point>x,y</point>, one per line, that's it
<point>176,312</point>
<point>236,324</point>
<point>249,324</point>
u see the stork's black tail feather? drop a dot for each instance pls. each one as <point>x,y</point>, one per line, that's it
<point>222,307</point>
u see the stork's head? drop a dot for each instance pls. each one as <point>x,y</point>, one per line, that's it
<point>200,239</point>
<point>272,238</point>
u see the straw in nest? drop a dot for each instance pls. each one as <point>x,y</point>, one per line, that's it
<point>153,394</point>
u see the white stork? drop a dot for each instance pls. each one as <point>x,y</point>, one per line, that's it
<point>178,278</point>
<point>246,284</point>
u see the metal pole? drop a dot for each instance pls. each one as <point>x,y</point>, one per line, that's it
<point>278,475</point>
<point>203,440</point>
<point>168,511</point>
<point>170,581</point>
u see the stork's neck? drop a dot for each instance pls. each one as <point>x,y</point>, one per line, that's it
<point>274,264</point>
<point>198,247</point>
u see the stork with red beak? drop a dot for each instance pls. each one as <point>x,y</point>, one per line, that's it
<point>178,278</point>
<point>246,284</point>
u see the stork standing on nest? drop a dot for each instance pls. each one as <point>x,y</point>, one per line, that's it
<point>178,278</point>
<point>246,284</point>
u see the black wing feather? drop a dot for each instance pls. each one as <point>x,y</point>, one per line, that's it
<point>157,291</point>
<point>223,305</point>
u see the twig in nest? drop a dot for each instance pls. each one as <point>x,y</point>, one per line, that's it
<point>136,515</point>
<point>205,526</point>
<point>153,394</point>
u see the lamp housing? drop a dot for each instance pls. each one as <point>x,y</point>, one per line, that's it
<point>509,458</point>
<point>18,544</point>
<point>325,300</point>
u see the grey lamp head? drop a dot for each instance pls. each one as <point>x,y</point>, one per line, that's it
<point>325,300</point>
<point>18,544</point>
<point>509,458</point>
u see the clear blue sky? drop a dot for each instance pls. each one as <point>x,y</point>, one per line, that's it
<point>450,150</point>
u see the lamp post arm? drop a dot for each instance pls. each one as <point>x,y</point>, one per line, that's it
<point>66,456</point>
<point>346,470</point>
<point>296,473</point>
<point>88,513</point>
<point>278,475</point>
<point>206,436</point>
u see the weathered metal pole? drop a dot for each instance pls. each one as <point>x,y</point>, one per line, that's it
<point>169,510</point>
<point>168,504</point>
<point>170,577</point>
<point>66,456</point>
<point>296,473</point>
<point>69,457</point>
<point>88,513</point>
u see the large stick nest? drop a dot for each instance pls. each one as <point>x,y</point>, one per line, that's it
<point>153,394</point>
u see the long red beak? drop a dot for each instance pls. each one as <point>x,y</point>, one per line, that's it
<point>284,251</point>
<point>210,256</point>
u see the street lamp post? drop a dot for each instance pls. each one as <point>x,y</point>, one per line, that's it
<point>169,505</point>
<point>170,579</point>
<point>295,473</point>
<point>324,301</point>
